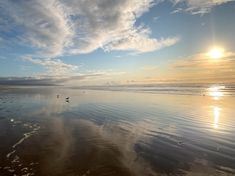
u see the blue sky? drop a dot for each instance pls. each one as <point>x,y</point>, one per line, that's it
<point>116,41</point>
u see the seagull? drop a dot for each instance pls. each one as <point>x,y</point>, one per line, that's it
<point>67,100</point>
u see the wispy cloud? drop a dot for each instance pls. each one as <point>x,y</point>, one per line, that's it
<point>198,6</point>
<point>201,67</point>
<point>92,77</point>
<point>53,66</point>
<point>202,60</point>
<point>27,81</point>
<point>41,24</point>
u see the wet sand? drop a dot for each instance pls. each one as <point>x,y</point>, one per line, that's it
<point>115,133</point>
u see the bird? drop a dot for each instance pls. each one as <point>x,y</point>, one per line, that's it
<point>67,99</point>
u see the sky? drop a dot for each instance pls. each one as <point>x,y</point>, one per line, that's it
<point>116,42</point>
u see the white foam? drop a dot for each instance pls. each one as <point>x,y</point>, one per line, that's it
<point>26,135</point>
<point>9,154</point>
<point>16,158</point>
<point>7,167</point>
<point>11,170</point>
<point>24,169</point>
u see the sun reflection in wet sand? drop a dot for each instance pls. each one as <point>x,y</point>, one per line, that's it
<point>216,92</point>
<point>216,111</point>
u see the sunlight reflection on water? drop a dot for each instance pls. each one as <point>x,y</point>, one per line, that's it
<point>216,111</point>
<point>216,92</point>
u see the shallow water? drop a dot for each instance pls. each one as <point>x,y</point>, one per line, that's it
<point>124,133</point>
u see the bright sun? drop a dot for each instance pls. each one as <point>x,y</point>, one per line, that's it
<point>216,53</point>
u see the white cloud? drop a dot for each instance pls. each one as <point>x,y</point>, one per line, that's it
<point>111,25</point>
<point>58,27</point>
<point>200,6</point>
<point>42,24</point>
<point>139,42</point>
<point>54,66</point>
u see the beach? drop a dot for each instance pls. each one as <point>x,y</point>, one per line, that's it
<point>118,132</point>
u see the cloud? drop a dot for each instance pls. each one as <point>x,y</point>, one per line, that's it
<point>58,27</point>
<point>202,60</point>
<point>54,66</point>
<point>47,80</point>
<point>27,81</point>
<point>110,25</point>
<point>199,6</point>
<point>41,24</point>
<point>201,67</point>
<point>65,78</point>
<point>177,10</point>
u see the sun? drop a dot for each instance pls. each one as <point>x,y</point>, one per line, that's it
<point>216,53</point>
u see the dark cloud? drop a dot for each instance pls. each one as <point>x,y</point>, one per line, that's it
<point>48,81</point>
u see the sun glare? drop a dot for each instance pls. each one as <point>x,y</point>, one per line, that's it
<point>216,53</point>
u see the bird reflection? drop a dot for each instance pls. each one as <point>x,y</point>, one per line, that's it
<point>216,92</point>
<point>216,111</point>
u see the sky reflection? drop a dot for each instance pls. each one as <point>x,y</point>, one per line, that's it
<point>131,133</point>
